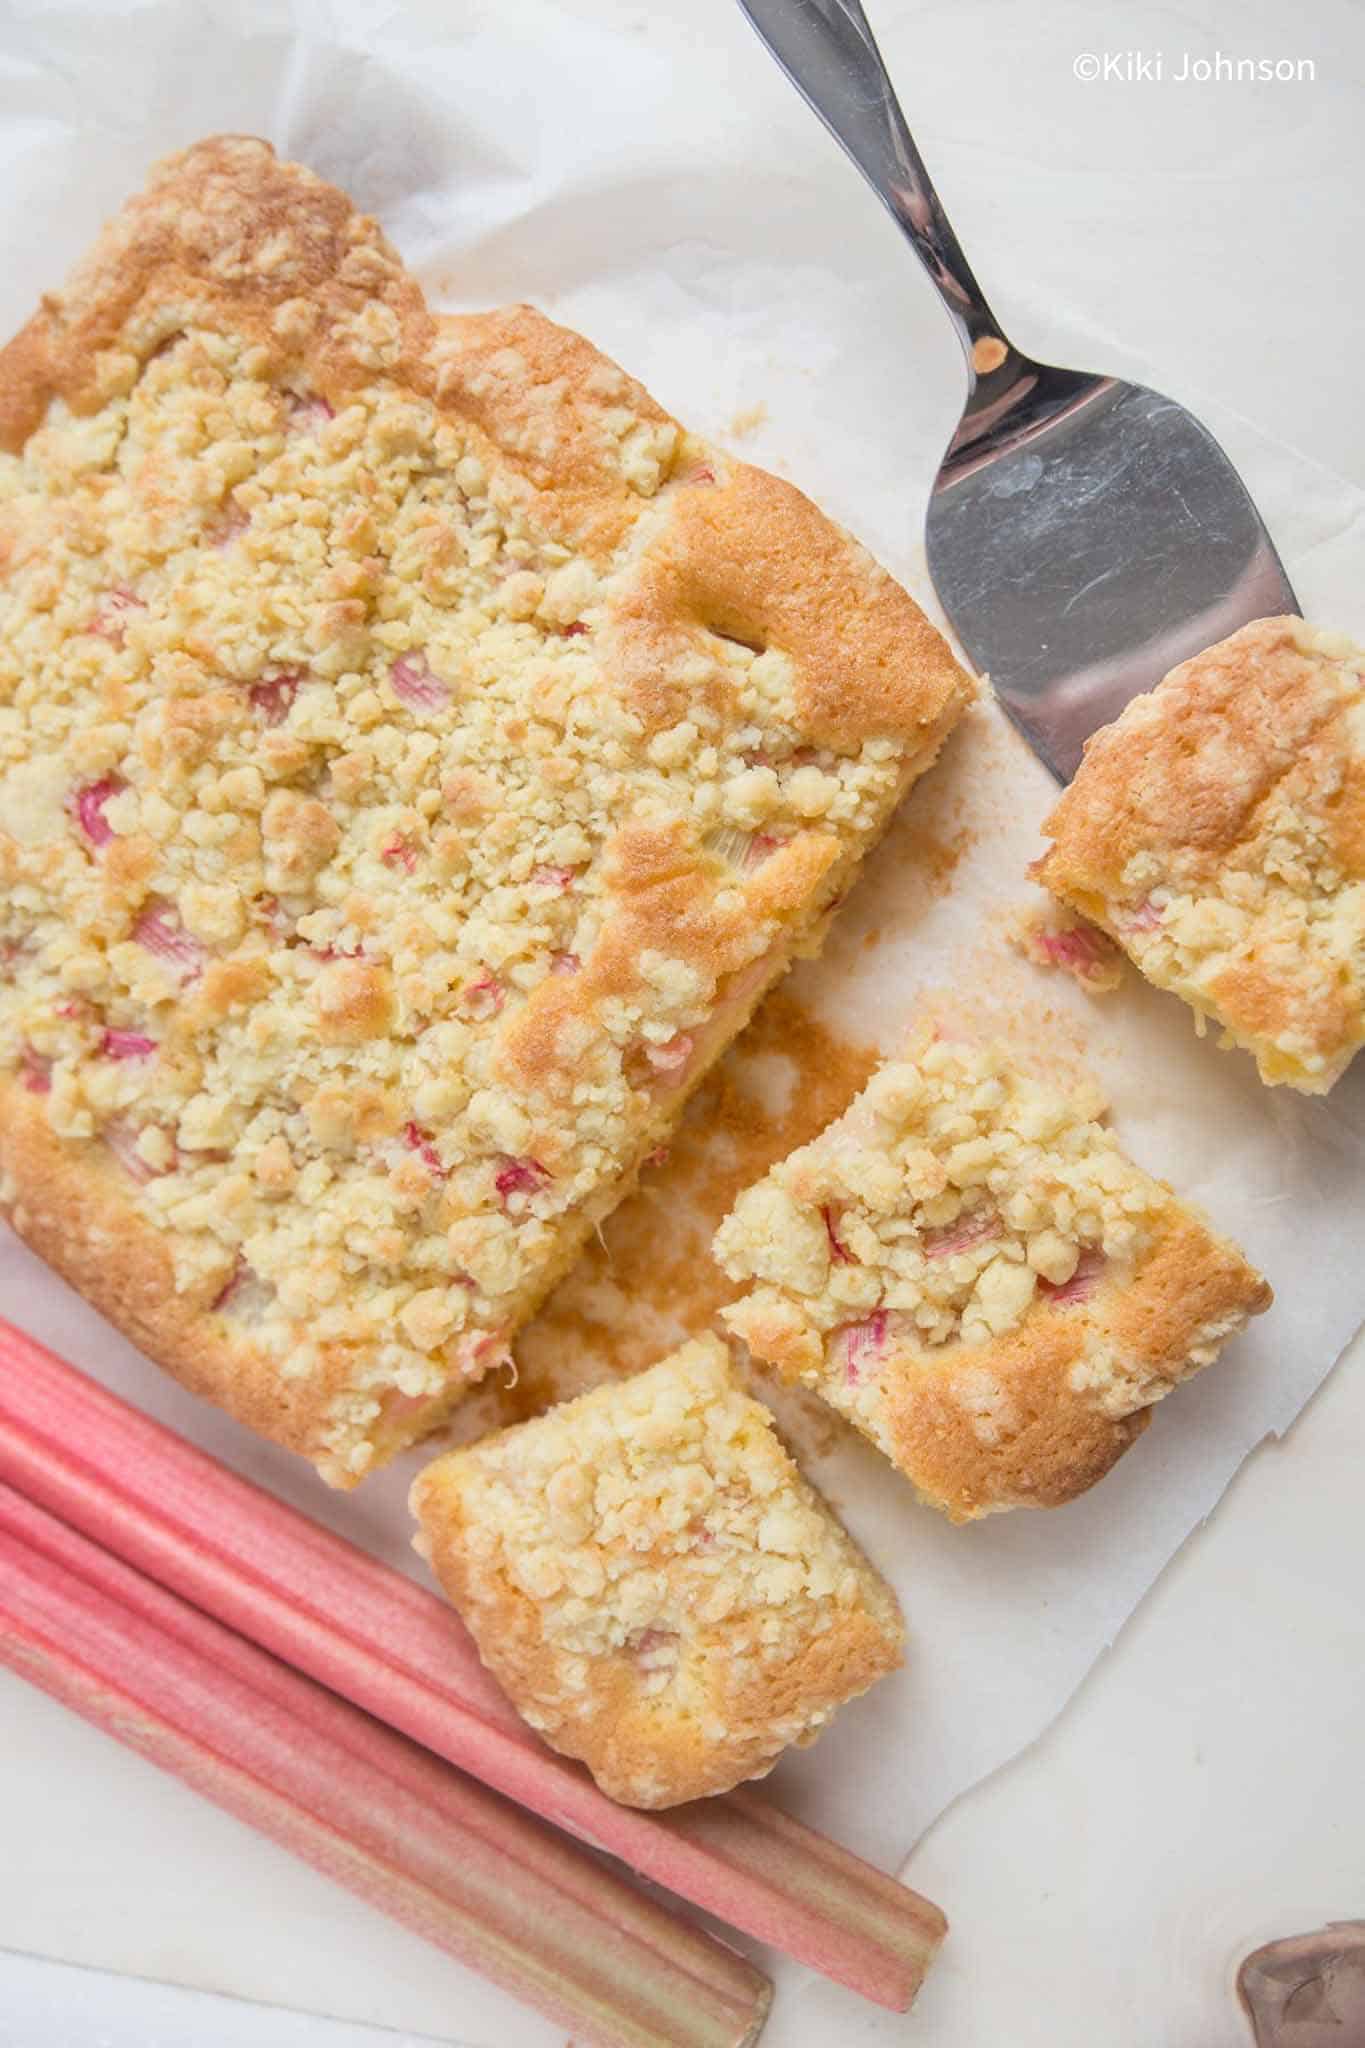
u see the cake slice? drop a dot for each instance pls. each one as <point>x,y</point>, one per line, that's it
<point>1217,832</point>
<point>967,1267</point>
<point>657,1588</point>
<point>417,757</point>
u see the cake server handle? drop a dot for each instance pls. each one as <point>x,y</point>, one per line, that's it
<point>827,50</point>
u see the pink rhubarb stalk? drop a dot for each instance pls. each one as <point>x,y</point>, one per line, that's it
<point>1082,1283</point>
<point>272,697</point>
<point>121,1139</point>
<point>115,608</point>
<point>88,804</point>
<point>161,932</point>
<point>483,998</point>
<point>396,1650</point>
<point>127,1045</point>
<point>864,1344</point>
<point>308,415</point>
<point>673,1057</point>
<point>519,1177</point>
<point>35,1071</point>
<point>415,683</point>
<point>420,1142</point>
<point>1080,949</point>
<point>403,1831</point>
<point>1143,917</point>
<point>980,1226</point>
<point>838,1250</point>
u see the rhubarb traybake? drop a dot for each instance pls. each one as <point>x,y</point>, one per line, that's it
<point>1217,831</point>
<point>417,756</point>
<point>967,1267</point>
<point>654,1584</point>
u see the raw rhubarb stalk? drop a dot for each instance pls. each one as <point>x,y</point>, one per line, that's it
<point>373,1811</point>
<point>391,1647</point>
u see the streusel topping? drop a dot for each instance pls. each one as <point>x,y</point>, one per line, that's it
<point>1217,831</point>
<point>310,777</point>
<point>676,1564</point>
<point>967,1267</point>
<point>652,1508</point>
<point>417,756</point>
<point>937,1208</point>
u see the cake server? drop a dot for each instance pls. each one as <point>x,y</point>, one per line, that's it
<point>1084,534</point>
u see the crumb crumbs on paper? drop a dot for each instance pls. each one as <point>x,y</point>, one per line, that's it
<point>748,420</point>
<point>650,1281</point>
<point>1054,937</point>
<point>984,1002</point>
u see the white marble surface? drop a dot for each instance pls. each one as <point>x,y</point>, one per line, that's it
<point>63,2006</point>
<point>1202,1791</point>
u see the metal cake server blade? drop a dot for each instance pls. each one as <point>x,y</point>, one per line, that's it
<point>1084,534</point>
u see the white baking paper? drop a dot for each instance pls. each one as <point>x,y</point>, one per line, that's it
<point>652,182</point>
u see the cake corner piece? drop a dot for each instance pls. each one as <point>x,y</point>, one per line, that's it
<point>653,1582</point>
<point>1216,831</point>
<point>967,1268</point>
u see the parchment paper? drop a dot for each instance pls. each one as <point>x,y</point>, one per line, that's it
<point>649,191</point>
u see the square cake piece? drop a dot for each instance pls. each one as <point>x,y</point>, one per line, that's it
<point>967,1267</point>
<point>653,1582</point>
<point>1217,832</point>
<point>417,756</point>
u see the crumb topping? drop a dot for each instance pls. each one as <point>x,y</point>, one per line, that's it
<point>417,756</point>
<point>311,777</point>
<point>968,1268</point>
<point>1217,831</point>
<point>675,1562</point>
<point>953,1193</point>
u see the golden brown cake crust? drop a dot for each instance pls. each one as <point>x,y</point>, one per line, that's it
<point>1215,830</point>
<point>755,561</point>
<point>685,552</point>
<point>968,1268</point>
<point>1061,1440</point>
<point>70,1208</point>
<point>654,1584</point>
